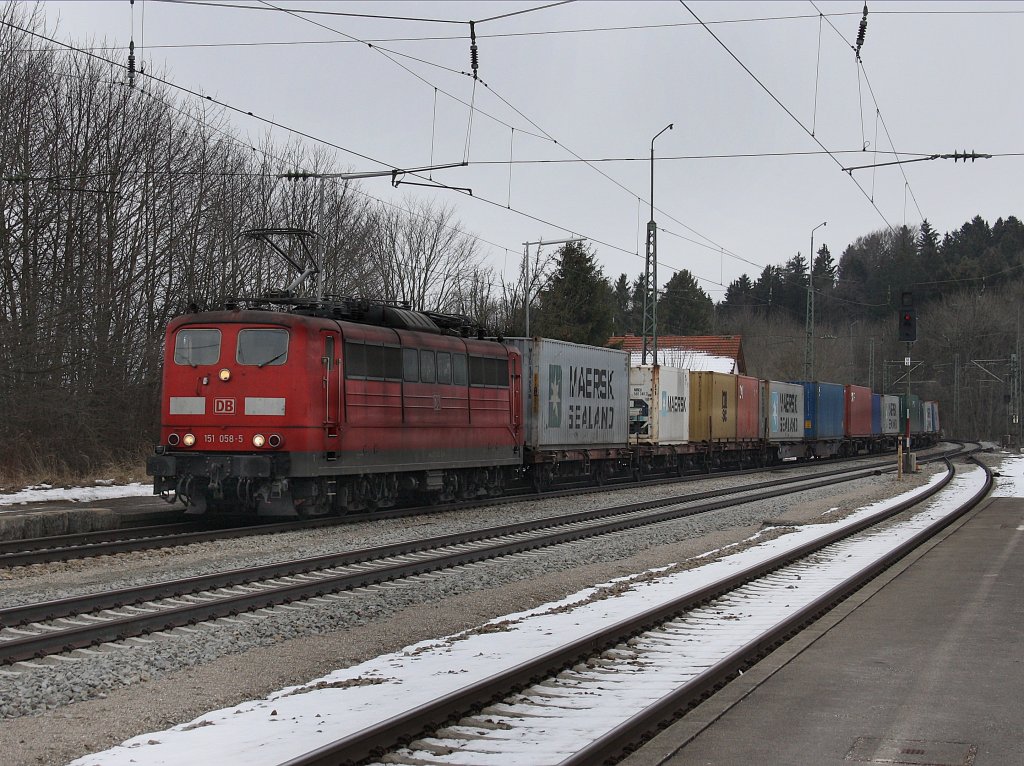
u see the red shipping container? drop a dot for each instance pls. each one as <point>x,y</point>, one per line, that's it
<point>748,408</point>
<point>857,420</point>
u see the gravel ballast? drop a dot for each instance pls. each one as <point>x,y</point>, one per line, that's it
<point>55,710</point>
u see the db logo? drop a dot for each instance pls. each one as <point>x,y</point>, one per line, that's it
<point>223,406</point>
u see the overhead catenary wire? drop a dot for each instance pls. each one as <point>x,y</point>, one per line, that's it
<point>389,54</point>
<point>913,157</point>
<point>529,120</point>
<point>303,134</point>
<point>716,245</point>
<point>587,30</point>
<point>208,100</point>
<point>590,164</point>
<point>817,76</point>
<point>861,69</point>
<point>819,14</point>
<point>625,159</point>
<point>319,12</point>
<point>786,110</point>
<point>528,33</point>
<point>545,133</point>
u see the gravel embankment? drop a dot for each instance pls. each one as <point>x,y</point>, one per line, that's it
<point>152,683</point>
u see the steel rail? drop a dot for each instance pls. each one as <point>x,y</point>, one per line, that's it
<point>672,706</point>
<point>375,740</point>
<point>508,538</point>
<point>73,539</point>
<point>114,599</point>
<point>42,550</point>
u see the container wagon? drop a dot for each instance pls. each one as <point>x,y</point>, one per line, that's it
<point>575,410</point>
<point>824,416</point>
<point>784,420</point>
<point>856,420</point>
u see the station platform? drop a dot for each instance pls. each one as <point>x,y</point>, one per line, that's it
<point>20,522</point>
<point>924,666</point>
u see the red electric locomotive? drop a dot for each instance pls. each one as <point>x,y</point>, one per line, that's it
<point>333,406</point>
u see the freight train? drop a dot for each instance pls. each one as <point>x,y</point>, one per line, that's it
<point>334,406</point>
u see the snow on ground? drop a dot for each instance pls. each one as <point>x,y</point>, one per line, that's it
<point>1011,477</point>
<point>45,493</point>
<point>299,719</point>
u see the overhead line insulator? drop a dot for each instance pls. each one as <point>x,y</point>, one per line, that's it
<point>474,54</point>
<point>862,31</point>
<point>131,64</point>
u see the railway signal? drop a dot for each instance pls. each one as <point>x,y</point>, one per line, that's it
<point>908,325</point>
<point>908,319</point>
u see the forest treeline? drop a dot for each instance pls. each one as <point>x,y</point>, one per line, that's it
<point>121,206</point>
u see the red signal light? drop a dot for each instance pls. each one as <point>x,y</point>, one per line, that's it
<point>908,325</point>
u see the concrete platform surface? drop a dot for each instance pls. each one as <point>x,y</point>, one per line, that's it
<point>21,522</point>
<point>925,665</point>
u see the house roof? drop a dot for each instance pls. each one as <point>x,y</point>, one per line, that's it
<point>730,346</point>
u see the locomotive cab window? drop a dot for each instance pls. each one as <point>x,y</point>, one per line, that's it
<point>194,347</point>
<point>262,347</point>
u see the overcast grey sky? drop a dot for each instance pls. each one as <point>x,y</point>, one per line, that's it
<point>601,79</point>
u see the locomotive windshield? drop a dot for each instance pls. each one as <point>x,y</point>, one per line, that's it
<point>262,347</point>
<point>194,347</point>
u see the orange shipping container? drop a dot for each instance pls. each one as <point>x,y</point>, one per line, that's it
<point>713,407</point>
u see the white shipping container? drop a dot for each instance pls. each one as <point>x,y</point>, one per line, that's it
<point>785,411</point>
<point>574,396</point>
<point>931,417</point>
<point>659,405</point>
<point>891,420</point>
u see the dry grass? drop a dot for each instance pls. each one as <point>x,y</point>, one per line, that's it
<point>33,469</point>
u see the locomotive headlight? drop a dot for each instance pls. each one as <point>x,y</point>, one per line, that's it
<point>224,374</point>
<point>173,439</point>
<point>274,441</point>
<point>188,440</point>
<point>259,440</point>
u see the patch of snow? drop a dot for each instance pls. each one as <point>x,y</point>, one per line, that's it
<point>46,493</point>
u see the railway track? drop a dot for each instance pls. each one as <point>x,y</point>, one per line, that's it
<point>594,697</point>
<point>109,542</point>
<point>35,630</point>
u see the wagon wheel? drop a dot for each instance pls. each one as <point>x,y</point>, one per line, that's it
<point>540,478</point>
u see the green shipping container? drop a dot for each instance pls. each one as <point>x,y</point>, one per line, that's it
<point>912,403</point>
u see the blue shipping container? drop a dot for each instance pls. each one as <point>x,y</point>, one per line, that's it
<point>876,414</point>
<point>824,407</point>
